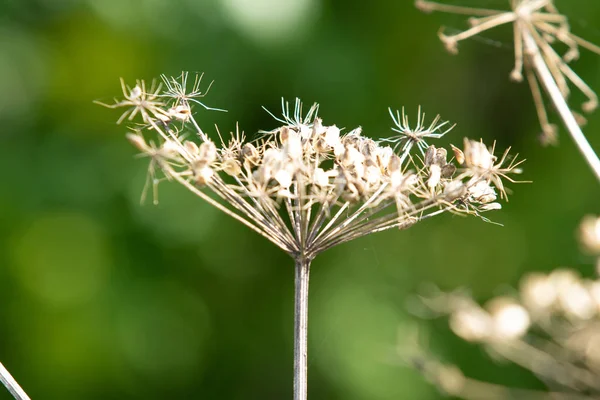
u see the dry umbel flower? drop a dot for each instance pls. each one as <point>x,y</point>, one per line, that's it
<point>537,25</point>
<point>551,327</point>
<point>306,186</point>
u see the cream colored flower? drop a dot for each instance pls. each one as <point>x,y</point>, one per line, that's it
<point>305,185</point>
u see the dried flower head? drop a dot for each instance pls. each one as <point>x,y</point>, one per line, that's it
<point>408,137</point>
<point>140,101</point>
<point>305,185</point>
<point>177,89</point>
<point>550,326</point>
<point>538,25</point>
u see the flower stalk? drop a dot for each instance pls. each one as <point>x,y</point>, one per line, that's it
<point>302,275</point>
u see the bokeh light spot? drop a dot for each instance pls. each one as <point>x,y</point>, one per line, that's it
<point>354,334</point>
<point>22,71</point>
<point>271,21</point>
<point>179,217</point>
<point>163,330</point>
<point>62,259</point>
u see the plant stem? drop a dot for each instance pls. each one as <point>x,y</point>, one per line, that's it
<point>545,76</point>
<point>302,272</point>
<point>12,385</point>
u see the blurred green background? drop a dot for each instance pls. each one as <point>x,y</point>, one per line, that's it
<point>104,298</point>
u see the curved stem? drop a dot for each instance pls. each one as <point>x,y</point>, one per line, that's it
<point>545,76</point>
<point>13,387</point>
<point>302,272</point>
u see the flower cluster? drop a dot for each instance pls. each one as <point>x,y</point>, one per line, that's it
<point>538,25</point>
<point>305,185</point>
<point>551,327</point>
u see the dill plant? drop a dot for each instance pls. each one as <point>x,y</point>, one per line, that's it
<point>307,186</point>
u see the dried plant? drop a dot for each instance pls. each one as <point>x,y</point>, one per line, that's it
<point>537,26</point>
<point>550,327</point>
<point>306,186</point>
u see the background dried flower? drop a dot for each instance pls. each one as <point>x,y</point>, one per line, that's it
<point>551,327</point>
<point>538,26</point>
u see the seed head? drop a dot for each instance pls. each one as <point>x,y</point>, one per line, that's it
<point>408,136</point>
<point>305,185</point>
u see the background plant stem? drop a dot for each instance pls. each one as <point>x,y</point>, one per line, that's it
<point>302,272</point>
<point>12,385</point>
